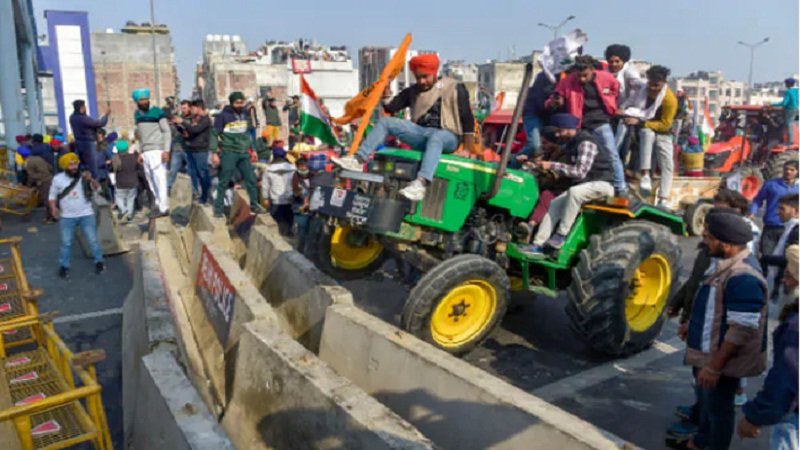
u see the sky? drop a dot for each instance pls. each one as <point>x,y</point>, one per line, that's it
<point>684,35</point>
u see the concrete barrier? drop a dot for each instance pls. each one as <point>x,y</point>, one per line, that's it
<point>180,198</point>
<point>217,313</point>
<point>174,417</point>
<point>453,403</point>
<point>285,397</point>
<point>295,288</point>
<point>202,218</point>
<point>149,352</point>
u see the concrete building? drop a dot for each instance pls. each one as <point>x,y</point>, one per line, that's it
<point>123,62</point>
<point>20,97</point>
<point>466,73</point>
<point>503,76</point>
<point>720,92</point>
<point>767,93</point>
<point>274,70</point>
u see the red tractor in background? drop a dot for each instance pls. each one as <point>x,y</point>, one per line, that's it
<point>750,146</point>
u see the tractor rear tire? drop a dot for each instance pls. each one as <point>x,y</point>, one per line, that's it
<point>695,216</point>
<point>458,303</point>
<point>621,286</point>
<point>320,249</point>
<point>774,165</point>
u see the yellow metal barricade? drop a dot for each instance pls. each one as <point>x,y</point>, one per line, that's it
<point>51,395</point>
<point>17,299</point>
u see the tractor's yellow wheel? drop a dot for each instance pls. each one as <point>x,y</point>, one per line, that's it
<point>649,291</point>
<point>353,249</point>
<point>457,303</point>
<point>621,287</point>
<point>463,313</point>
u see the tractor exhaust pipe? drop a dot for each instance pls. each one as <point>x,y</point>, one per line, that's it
<point>512,131</point>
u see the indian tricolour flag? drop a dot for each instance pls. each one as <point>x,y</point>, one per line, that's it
<point>706,128</point>
<point>314,122</point>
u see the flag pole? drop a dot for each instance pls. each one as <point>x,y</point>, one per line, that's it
<point>375,95</point>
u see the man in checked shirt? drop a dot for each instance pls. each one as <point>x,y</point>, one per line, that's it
<point>592,171</point>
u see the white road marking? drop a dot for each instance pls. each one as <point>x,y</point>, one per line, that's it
<point>91,315</point>
<point>570,385</point>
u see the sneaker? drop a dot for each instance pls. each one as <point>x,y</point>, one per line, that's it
<point>644,184</point>
<point>63,272</point>
<point>556,241</point>
<point>415,191</point>
<point>120,215</point>
<point>532,250</point>
<point>218,214</point>
<point>99,268</point>
<point>258,209</point>
<point>682,429</point>
<point>348,163</point>
<point>684,412</point>
<point>740,399</point>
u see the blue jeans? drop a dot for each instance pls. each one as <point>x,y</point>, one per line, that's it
<point>533,128</point>
<point>87,152</point>
<point>433,140</point>
<point>198,170</point>
<point>784,434</point>
<point>606,136</point>
<point>302,221</point>
<point>789,116</point>
<point>88,227</point>
<point>177,159</point>
<point>717,414</point>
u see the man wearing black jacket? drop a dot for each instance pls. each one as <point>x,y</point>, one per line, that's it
<point>197,135</point>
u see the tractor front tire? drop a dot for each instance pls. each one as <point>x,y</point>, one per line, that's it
<point>334,251</point>
<point>458,303</point>
<point>621,286</point>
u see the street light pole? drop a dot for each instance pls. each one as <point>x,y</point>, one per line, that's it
<point>752,48</point>
<point>155,54</point>
<point>556,28</point>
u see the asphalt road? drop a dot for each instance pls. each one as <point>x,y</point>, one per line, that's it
<point>535,350</point>
<point>89,305</point>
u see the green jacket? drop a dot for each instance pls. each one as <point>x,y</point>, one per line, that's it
<point>233,130</point>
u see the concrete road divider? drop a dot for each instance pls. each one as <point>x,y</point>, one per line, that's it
<point>285,397</point>
<point>454,404</point>
<point>180,198</point>
<point>153,392</point>
<point>219,300</point>
<point>175,417</point>
<point>295,288</point>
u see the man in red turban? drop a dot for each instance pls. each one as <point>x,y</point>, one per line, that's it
<point>441,118</point>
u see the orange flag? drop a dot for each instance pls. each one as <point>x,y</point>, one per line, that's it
<point>362,105</point>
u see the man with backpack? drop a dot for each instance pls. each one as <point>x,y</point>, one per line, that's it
<point>70,202</point>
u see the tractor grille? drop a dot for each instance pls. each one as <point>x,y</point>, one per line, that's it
<point>433,204</point>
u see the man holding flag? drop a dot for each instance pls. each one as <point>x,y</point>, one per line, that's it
<point>441,118</point>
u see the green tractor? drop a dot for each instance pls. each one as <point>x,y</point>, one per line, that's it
<point>620,263</point>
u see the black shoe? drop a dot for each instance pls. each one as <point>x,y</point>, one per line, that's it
<point>99,268</point>
<point>63,272</point>
<point>219,214</point>
<point>258,209</point>
<point>120,215</point>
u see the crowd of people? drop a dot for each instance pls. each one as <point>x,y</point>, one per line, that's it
<point>581,118</point>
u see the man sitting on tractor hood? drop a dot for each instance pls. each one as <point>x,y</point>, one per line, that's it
<point>440,117</point>
<point>592,169</point>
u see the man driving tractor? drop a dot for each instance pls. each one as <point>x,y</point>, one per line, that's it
<point>441,118</point>
<point>590,166</point>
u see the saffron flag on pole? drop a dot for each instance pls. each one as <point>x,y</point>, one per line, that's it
<point>362,105</point>
<point>313,121</point>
